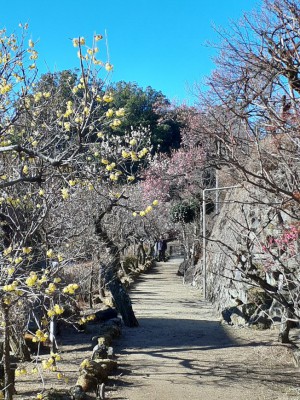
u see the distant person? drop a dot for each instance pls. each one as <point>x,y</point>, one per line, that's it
<point>155,250</point>
<point>161,248</point>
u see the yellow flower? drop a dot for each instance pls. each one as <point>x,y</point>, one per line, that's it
<point>133,142</point>
<point>75,42</point>
<point>70,289</point>
<point>58,309</point>
<point>125,154</point>
<point>113,177</point>
<point>51,288</point>
<point>67,126</point>
<point>85,363</point>
<point>142,213</point>
<point>31,280</point>
<point>72,182</point>
<point>134,214</point>
<point>30,43</point>
<point>39,396</point>
<point>65,193</point>
<point>109,113</point>
<point>42,192</point>
<point>25,169</point>
<point>108,98</point>
<point>120,112</point>
<point>50,313</point>
<point>50,253</point>
<point>18,260</point>
<point>155,202</point>
<point>98,37</point>
<point>100,135</point>
<point>133,156</point>
<point>57,280</point>
<point>108,67</point>
<point>7,251</point>
<point>10,270</point>
<point>116,122</point>
<point>27,250</point>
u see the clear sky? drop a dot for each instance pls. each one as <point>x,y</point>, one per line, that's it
<point>158,43</point>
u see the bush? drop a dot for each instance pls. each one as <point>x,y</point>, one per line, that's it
<point>184,212</point>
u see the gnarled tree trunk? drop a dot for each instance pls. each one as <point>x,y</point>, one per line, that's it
<point>119,293</point>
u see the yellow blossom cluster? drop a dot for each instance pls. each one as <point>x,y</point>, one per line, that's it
<point>20,371</point>
<point>114,177</point>
<point>65,193</point>
<point>115,123</point>
<point>50,253</point>
<point>32,279</point>
<point>27,250</point>
<point>108,98</point>
<point>147,210</point>
<point>85,363</point>
<point>41,96</point>
<point>40,336</point>
<point>50,365</point>
<point>109,113</point>
<point>13,288</point>
<point>78,41</point>
<point>70,289</point>
<point>143,152</point>
<point>69,110</point>
<point>56,310</point>
<point>84,320</point>
<point>50,289</point>
<point>120,112</point>
<point>111,166</point>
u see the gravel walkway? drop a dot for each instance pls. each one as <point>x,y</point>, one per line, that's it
<point>181,351</point>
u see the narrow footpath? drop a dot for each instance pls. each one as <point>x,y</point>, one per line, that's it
<point>181,350</point>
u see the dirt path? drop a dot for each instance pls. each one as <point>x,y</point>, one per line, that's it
<point>181,351</point>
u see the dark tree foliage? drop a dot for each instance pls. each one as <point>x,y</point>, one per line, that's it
<point>145,108</point>
<point>184,212</point>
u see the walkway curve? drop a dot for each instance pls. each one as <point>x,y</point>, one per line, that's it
<point>181,351</point>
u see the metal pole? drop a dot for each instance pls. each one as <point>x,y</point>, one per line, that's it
<point>204,243</point>
<point>204,231</point>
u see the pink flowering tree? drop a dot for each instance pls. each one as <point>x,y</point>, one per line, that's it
<point>177,180</point>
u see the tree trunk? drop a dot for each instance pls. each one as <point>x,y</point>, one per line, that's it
<point>91,288</point>
<point>141,254</point>
<point>121,299</point>
<point>118,292</point>
<point>286,325</point>
<point>8,372</point>
<point>18,346</point>
<point>101,282</point>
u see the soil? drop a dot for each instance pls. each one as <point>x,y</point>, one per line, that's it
<point>181,351</point>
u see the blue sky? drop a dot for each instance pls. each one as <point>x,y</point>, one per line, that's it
<point>158,43</point>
